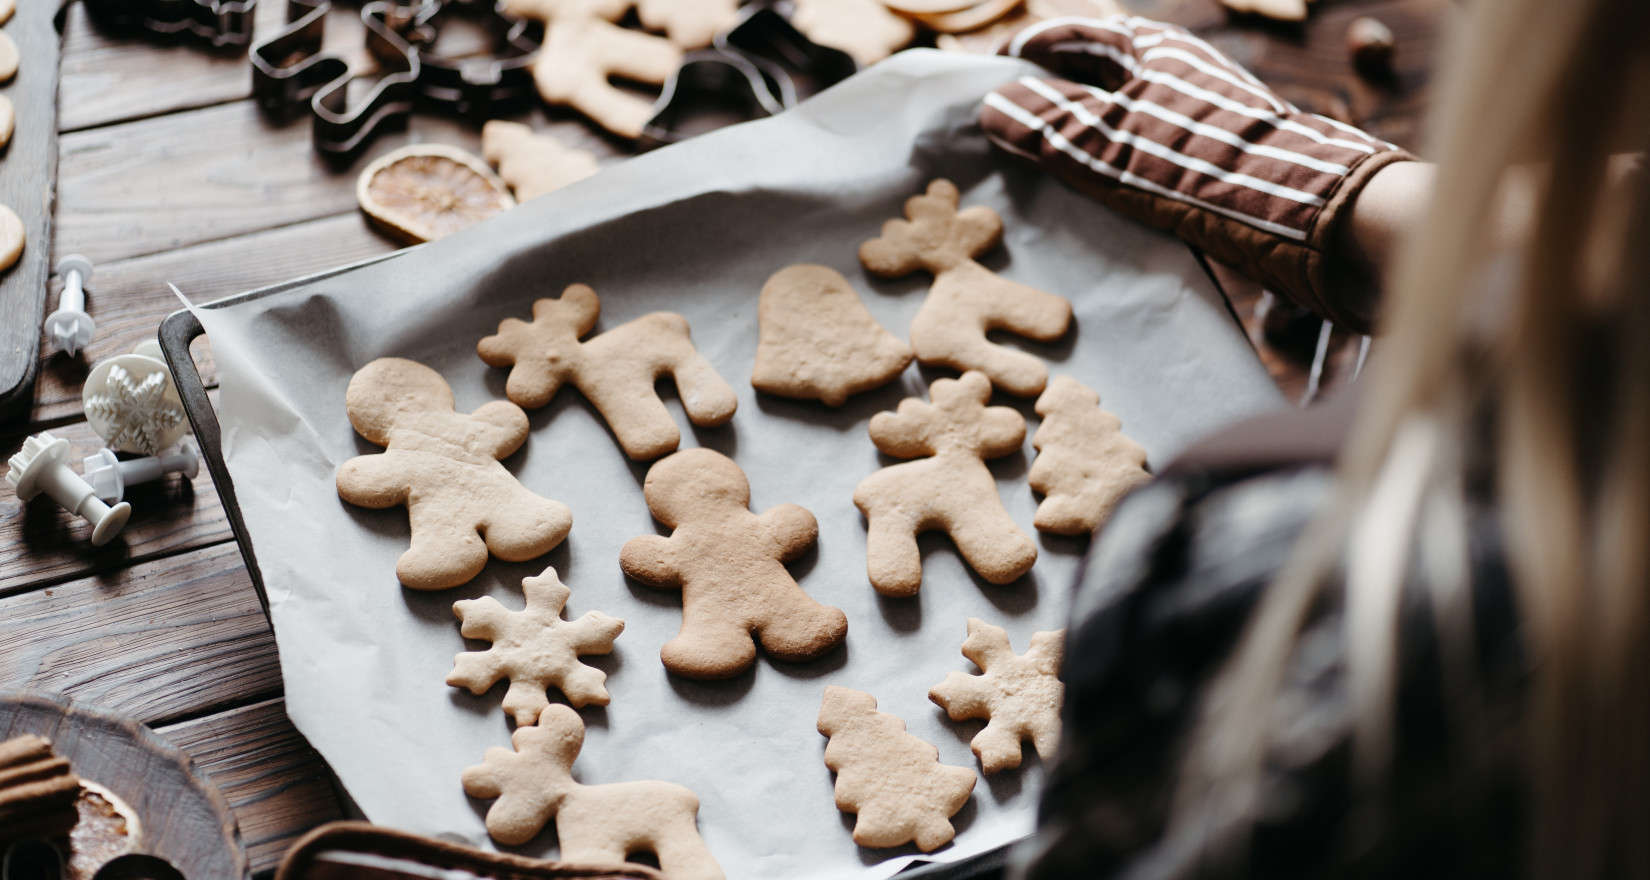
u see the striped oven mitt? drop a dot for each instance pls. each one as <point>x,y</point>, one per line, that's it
<point>1160,126</point>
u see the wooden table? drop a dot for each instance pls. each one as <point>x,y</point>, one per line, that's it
<point>168,173</point>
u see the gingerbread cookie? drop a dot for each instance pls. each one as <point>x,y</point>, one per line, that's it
<point>691,24</point>
<point>1019,694</point>
<point>443,466</point>
<point>730,566</point>
<point>967,299</point>
<point>532,164</point>
<point>865,29</point>
<point>11,237</point>
<point>951,490</point>
<point>534,648</point>
<point>1084,462</point>
<point>594,823</point>
<point>616,370</point>
<point>893,779</point>
<point>818,340</point>
<point>583,48</point>
<point>8,57</point>
<point>1282,10</point>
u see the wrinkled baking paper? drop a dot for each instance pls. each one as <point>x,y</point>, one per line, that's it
<point>696,228</point>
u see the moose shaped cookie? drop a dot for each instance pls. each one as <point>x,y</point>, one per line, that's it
<point>890,777</point>
<point>583,48</point>
<point>952,489</point>
<point>1019,694</point>
<point>616,370</point>
<point>1085,464</point>
<point>594,823</point>
<point>534,648</point>
<point>967,300</point>
<point>444,466</point>
<point>730,565</point>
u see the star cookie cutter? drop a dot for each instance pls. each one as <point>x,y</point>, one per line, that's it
<point>223,22</point>
<point>132,402</point>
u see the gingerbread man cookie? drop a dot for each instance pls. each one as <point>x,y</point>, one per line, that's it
<point>616,370</point>
<point>951,490</point>
<point>532,164</point>
<point>534,648</point>
<point>594,823</point>
<point>893,779</point>
<point>865,29</point>
<point>967,299</point>
<point>1084,462</point>
<point>730,566</point>
<point>818,340</point>
<point>583,48</point>
<point>1019,694</point>
<point>443,466</point>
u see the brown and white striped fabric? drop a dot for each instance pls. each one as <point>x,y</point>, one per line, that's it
<point>1162,127</point>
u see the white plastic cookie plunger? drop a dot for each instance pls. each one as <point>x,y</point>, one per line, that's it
<point>109,476</point>
<point>132,402</point>
<point>70,328</point>
<point>42,466</point>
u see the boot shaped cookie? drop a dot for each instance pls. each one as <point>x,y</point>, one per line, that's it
<point>890,777</point>
<point>583,47</point>
<point>819,341</point>
<point>953,490</point>
<point>534,648</point>
<point>443,465</point>
<point>1084,462</point>
<point>616,370</point>
<point>730,566</point>
<point>691,24</point>
<point>967,299</point>
<point>1020,694</point>
<point>594,823</point>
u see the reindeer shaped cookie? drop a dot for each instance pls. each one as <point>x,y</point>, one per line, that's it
<point>583,47</point>
<point>730,566</point>
<point>952,490</point>
<point>616,370</point>
<point>594,823</point>
<point>443,465</point>
<point>967,299</point>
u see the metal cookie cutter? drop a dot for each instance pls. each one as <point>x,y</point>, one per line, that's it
<point>722,85</point>
<point>223,22</point>
<point>763,31</point>
<point>288,68</point>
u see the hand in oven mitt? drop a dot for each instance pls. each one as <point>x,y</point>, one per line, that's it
<point>1161,127</point>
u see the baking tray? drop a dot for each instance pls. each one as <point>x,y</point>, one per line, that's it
<point>1169,359</point>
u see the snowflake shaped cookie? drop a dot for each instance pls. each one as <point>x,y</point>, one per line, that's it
<point>138,414</point>
<point>534,648</point>
<point>1019,693</point>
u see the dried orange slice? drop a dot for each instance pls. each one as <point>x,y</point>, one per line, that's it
<point>426,191</point>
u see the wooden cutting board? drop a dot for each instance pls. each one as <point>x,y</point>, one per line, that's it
<point>28,185</point>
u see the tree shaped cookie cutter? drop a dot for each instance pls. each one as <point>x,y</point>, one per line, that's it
<point>223,22</point>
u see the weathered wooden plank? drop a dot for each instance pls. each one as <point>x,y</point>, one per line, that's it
<point>51,545</point>
<point>129,298</point>
<point>277,785</point>
<point>161,640</point>
<point>108,77</point>
<point>202,175</point>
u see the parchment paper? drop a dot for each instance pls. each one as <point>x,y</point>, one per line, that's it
<point>696,228</point>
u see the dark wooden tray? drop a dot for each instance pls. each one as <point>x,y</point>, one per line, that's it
<point>28,185</point>
<point>185,819</point>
